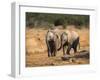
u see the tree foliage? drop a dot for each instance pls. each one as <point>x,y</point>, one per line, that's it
<point>49,19</point>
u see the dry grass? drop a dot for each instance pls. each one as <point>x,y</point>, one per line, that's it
<point>36,49</point>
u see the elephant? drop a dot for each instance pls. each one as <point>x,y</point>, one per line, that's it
<point>69,39</point>
<point>51,42</point>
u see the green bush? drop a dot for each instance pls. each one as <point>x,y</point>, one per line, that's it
<point>48,19</point>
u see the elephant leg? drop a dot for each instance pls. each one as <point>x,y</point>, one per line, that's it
<point>55,51</point>
<point>75,44</point>
<point>54,54</point>
<point>48,48</point>
<point>64,50</point>
<point>49,53</point>
<point>75,48</point>
<point>68,49</point>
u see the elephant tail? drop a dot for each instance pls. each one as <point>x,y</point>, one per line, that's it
<point>79,44</point>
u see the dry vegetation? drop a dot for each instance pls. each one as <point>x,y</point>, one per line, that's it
<point>36,49</point>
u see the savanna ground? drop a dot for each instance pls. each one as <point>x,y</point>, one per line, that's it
<point>36,49</point>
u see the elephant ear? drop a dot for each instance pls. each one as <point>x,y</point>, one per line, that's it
<point>66,35</point>
<point>74,35</point>
<point>69,36</point>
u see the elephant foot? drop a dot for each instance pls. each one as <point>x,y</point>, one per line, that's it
<point>49,55</point>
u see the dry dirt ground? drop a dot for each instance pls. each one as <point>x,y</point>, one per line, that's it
<point>36,49</point>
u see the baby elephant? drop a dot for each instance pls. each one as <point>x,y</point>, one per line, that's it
<point>69,39</point>
<point>51,42</point>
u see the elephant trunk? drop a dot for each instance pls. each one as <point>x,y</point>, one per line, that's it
<point>60,45</point>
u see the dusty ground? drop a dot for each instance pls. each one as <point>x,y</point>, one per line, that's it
<point>36,49</point>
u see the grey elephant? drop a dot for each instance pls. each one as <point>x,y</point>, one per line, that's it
<point>69,39</point>
<point>51,42</point>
